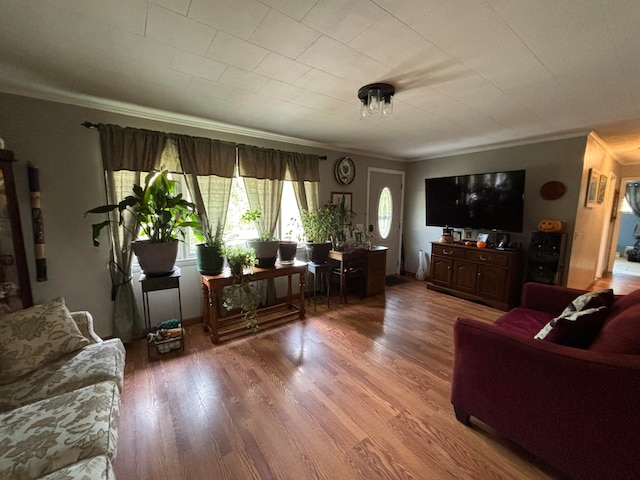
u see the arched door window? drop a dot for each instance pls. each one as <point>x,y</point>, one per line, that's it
<point>385,212</point>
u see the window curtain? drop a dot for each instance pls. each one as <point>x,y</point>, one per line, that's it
<point>138,151</point>
<point>209,168</point>
<point>304,173</point>
<point>632,195</point>
<point>263,172</point>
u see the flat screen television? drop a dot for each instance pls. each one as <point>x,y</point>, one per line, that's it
<point>486,201</point>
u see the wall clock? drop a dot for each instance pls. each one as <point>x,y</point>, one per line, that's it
<point>345,170</point>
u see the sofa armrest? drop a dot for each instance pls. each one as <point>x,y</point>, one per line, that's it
<point>551,299</point>
<point>572,408</point>
<point>84,320</point>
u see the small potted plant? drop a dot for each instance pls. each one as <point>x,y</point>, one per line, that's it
<point>209,253</point>
<point>319,227</point>
<point>266,247</point>
<point>288,247</point>
<point>160,215</point>
<point>241,293</point>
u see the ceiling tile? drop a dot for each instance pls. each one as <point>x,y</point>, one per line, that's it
<point>198,66</point>
<point>242,79</point>
<point>128,15</point>
<point>343,20</point>
<point>329,55</point>
<point>178,6</point>
<point>135,47</point>
<point>281,68</point>
<point>236,17</point>
<point>234,51</point>
<point>170,27</point>
<point>280,90</point>
<point>295,9</point>
<point>281,34</point>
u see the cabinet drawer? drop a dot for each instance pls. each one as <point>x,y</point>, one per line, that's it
<point>447,251</point>
<point>487,256</point>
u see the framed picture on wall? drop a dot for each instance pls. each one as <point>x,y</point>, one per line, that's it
<point>336,199</point>
<point>592,188</point>
<point>602,188</point>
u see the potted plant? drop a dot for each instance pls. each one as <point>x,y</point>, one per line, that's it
<point>161,217</point>
<point>319,227</point>
<point>266,247</point>
<point>288,247</point>
<point>209,253</point>
<point>241,293</point>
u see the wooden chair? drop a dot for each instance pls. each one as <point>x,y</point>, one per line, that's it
<point>351,268</point>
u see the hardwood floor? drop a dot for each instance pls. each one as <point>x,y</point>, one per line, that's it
<point>359,391</point>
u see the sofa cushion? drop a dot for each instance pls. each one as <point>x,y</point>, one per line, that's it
<point>624,302</point>
<point>43,437</point>
<point>595,299</point>
<point>36,336</point>
<point>92,364</point>
<point>524,321</point>
<point>620,334</point>
<point>91,469</point>
<point>574,329</point>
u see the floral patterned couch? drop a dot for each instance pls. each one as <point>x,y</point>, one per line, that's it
<point>60,388</point>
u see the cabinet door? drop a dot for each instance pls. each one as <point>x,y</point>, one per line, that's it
<point>441,271</point>
<point>464,276</point>
<point>492,282</point>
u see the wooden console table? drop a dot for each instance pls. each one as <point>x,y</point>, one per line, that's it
<point>233,325</point>
<point>375,269</point>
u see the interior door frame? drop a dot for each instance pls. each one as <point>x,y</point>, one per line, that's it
<point>371,170</point>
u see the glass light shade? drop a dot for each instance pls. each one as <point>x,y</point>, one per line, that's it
<point>373,100</point>
<point>364,110</point>
<point>387,106</point>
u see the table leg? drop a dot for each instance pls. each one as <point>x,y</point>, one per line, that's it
<point>301,294</point>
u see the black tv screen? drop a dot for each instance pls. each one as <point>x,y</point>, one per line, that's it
<point>486,201</point>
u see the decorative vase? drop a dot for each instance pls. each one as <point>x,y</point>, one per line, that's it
<point>422,266</point>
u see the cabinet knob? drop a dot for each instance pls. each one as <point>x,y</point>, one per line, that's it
<point>447,252</point>
<point>485,259</point>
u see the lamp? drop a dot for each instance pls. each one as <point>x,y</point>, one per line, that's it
<point>376,99</point>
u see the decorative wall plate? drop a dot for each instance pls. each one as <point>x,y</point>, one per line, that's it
<point>552,190</point>
<point>345,170</point>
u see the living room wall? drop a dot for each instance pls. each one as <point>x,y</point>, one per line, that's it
<point>49,135</point>
<point>552,160</point>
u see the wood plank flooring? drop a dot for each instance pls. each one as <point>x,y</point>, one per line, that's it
<point>357,391</point>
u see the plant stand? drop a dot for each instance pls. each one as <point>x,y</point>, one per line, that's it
<point>154,284</point>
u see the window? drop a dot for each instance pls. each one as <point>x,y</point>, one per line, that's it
<point>235,228</point>
<point>385,212</point>
<point>290,224</point>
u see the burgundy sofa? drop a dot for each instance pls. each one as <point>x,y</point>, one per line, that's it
<point>577,409</point>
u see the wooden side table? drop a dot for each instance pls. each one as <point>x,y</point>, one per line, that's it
<point>154,284</point>
<point>322,270</point>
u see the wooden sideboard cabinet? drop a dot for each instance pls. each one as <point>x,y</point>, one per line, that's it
<point>491,276</point>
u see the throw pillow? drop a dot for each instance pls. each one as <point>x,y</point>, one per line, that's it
<point>574,329</point>
<point>621,334</point>
<point>598,298</point>
<point>35,336</point>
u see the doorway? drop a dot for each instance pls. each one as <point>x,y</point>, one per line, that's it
<point>385,205</point>
<point>627,233</point>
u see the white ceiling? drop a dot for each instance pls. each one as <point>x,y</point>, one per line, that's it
<point>469,74</point>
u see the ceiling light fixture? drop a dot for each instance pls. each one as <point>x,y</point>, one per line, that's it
<point>376,100</point>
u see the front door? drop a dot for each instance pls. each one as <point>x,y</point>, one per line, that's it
<point>385,202</point>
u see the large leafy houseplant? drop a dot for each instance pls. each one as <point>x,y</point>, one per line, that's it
<point>319,227</point>
<point>161,218</point>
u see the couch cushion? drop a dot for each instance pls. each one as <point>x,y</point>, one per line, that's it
<point>574,329</point>
<point>524,321</point>
<point>36,336</point>
<point>620,334</point>
<point>43,437</point>
<point>595,299</point>
<point>91,469</point>
<point>624,302</point>
<point>92,364</point>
